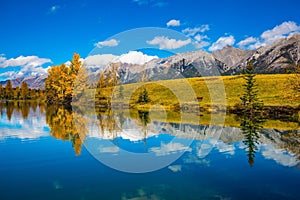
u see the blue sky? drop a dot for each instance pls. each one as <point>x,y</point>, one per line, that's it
<point>42,33</point>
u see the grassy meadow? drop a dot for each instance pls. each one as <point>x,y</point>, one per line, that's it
<point>217,91</point>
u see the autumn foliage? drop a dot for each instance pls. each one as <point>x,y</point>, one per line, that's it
<point>59,85</point>
<point>8,92</point>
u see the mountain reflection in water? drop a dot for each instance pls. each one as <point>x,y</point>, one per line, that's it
<point>137,133</point>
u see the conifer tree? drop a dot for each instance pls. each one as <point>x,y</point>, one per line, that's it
<point>251,113</point>
<point>143,96</point>
<point>250,101</point>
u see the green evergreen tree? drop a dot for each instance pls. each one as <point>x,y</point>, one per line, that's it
<point>251,113</point>
<point>250,101</point>
<point>143,96</point>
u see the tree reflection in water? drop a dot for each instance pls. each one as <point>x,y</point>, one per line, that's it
<point>107,122</point>
<point>66,125</point>
<point>250,130</point>
<point>144,120</point>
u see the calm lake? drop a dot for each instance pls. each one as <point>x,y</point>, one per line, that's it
<point>54,153</point>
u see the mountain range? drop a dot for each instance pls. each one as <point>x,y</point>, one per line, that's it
<point>273,58</point>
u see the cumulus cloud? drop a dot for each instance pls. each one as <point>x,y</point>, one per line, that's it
<point>200,41</point>
<point>222,42</point>
<point>173,22</point>
<point>132,57</point>
<point>199,37</point>
<point>193,31</point>
<point>30,65</point>
<point>23,61</point>
<point>201,44</point>
<point>267,37</point>
<point>280,31</point>
<point>136,57</point>
<point>247,41</point>
<point>107,43</point>
<point>8,74</point>
<point>167,43</point>
<point>99,60</point>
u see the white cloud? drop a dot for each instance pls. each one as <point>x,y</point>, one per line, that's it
<point>267,37</point>
<point>99,60</point>
<point>107,43</point>
<point>166,43</point>
<point>22,61</point>
<point>173,22</point>
<point>200,41</point>
<point>199,37</point>
<point>280,31</point>
<point>8,74</point>
<point>132,57</point>
<point>135,57</point>
<point>222,42</point>
<point>193,31</point>
<point>170,148</point>
<point>201,44</point>
<point>175,168</point>
<point>256,45</point>
<point>30,65</point>
<point>247,41</point>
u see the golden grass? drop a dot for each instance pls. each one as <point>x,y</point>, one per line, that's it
<point>223,91</point>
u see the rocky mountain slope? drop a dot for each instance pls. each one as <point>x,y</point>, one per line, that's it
<point>273,58</point>
<point>35,82</point>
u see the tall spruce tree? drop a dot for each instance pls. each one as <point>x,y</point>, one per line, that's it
<point>250,100</point>
<point>143,96</point>
<point>251,113</point>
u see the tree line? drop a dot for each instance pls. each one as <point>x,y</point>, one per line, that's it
<point>23,92</point>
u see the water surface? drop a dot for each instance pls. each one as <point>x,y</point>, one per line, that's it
<point>52,153</point>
